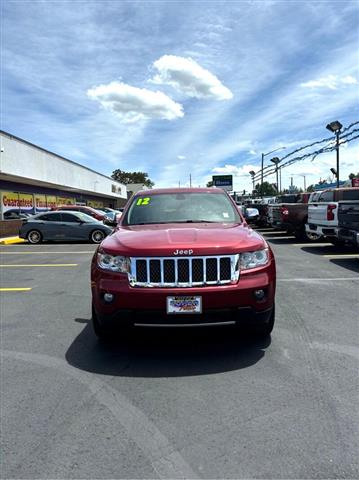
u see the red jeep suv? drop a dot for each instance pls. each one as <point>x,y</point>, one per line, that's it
<point>183,257</point>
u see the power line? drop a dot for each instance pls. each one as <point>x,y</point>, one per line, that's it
<point>343,139</point>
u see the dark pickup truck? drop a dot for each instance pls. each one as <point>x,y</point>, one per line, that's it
<point>292,215</point>
<point>348,222</point>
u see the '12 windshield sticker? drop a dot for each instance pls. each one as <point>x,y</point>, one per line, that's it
<point>143,201</point>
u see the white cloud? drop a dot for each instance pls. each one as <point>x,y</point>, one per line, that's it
<point>134,104</point>
<point>181,157</point>
<point>188,77</point>
<point>330,81</point>
<point>234,170</point>
<point>349,80</point>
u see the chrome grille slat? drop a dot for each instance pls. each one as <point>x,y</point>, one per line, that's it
<point>197,271</point>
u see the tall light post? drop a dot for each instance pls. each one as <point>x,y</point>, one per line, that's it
<point>262,165</point>
<point>276,160</point>
<point>252,173</point>
<point>335,128</point>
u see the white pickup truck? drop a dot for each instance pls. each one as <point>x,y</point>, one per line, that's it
<point>323,210</point>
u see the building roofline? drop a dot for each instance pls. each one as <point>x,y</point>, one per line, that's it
<point>10,135</point>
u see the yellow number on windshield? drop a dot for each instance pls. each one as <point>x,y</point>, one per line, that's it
<point>143,201</point>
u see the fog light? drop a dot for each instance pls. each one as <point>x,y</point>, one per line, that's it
<point>259,294</point>
<point>108,297</point>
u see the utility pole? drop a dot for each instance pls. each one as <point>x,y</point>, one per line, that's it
<point>179,184</point>
<point>262,175</point>
<point>190,180</point>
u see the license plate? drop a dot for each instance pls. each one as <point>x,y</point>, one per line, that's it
<point>184,305</point>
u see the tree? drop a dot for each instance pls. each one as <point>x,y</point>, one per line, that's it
<point>210,184</point>
<point>310,188</point>
<point>132,177</point>
<point>352,175</point>
<point>267,191</point>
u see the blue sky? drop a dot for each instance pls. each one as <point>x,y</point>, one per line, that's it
<point>174,88</point>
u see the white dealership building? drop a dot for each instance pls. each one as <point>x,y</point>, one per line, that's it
<point>34,179</point>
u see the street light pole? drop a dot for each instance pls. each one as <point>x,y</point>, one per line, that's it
<point>276,160</point>
<point>335,128</point>
<point>337,133</point>
<point>262,166</point>
<point>252,174</point>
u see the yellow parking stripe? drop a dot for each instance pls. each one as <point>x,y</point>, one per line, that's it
<point>41,265</point>
<point>15,289</point>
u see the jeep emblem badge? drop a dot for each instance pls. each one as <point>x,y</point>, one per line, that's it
<point>183,252</point>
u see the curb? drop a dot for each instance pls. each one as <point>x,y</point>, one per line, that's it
<point>11,240</point>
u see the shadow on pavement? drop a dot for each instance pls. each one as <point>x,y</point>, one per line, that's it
<point>157,352</point>
<point>348,263</point>
<point>328,249</point>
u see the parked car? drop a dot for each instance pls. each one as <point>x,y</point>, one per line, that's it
<point>16,214</point>
<point>183,257</point>
<point>83,209</point>
<point>293,217</point>
<point>63,225</point>
<point>348,221</point>
<point>112,218</point>
<point>323,211</point>
<point>274,207</point>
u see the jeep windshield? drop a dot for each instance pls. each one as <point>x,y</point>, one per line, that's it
<point>182,208</point>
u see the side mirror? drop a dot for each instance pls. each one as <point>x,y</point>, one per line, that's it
<point>251,214</point>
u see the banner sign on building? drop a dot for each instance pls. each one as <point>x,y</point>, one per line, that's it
<point>40,202</point>
<point>94,204</point>
<point>223,181</point>
<point>16,201</point>
<point>65,201</point>
<point>51,201</point>
<point>355,182</point>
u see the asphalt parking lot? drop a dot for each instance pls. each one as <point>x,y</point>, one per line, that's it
<point>191,404</point>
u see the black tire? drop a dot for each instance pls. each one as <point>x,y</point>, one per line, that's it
<point>103,332</point>
<point>96,236</point>
<point>303,235</point>
<point>265,329</point>
<point>335,241</point>
<point>34,237</point>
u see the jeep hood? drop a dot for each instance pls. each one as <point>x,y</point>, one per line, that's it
<point>164,240</point>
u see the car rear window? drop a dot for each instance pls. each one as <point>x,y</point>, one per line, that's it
<point>326,197</point>
<point>350,194</point>
<point>186,207</point>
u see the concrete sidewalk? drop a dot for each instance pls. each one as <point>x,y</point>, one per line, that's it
<point>11,240</point>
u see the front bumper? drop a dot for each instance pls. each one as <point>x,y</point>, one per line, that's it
<point>220,304</point>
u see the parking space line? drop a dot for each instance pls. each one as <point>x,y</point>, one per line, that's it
<point>312,244</point>
<point>326,279</point>
<point>278,238</point>
<point>15,289</point>
<point>41,265</point>
<point>343,255</point>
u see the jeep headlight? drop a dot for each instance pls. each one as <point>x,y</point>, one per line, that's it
<point>253,259</point>
<point>113,263</point>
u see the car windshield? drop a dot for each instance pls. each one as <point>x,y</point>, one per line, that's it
<point>182,208</point>
<point>85,218</point>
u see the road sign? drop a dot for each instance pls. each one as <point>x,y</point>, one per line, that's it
<point>223,181</point>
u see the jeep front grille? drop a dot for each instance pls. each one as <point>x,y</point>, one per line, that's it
<point>184,271</point>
